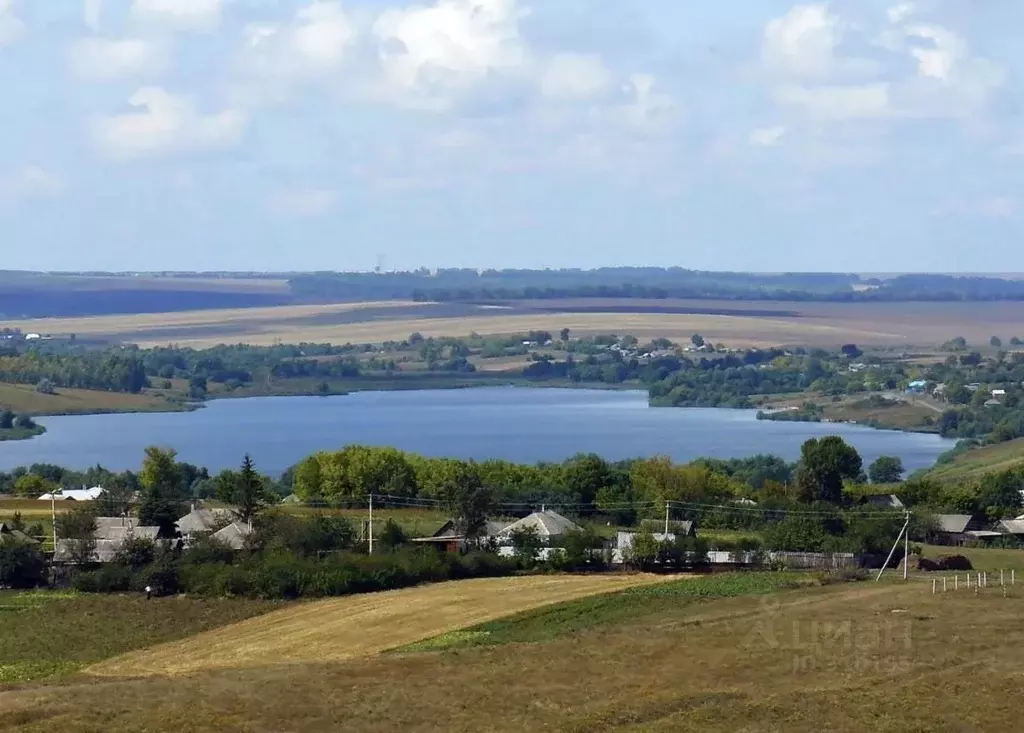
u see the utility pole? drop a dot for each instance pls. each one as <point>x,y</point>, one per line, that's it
<point>666,520</point>
<point>906,546</point>
<point>893,550</point>
<point>371,523</point>
<point>53,520</point>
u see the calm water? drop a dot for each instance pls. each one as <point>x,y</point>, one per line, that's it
<point>525,425</point>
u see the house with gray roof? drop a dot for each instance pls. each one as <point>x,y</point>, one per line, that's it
<point>451,537</point>
<point>547,523</point>
<point>110,536</point>
<point>200,519</point>
<point>234,534</point>
<point>955,529</point>
<point>9,535</point>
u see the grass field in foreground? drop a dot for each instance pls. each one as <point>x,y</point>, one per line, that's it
<point>990,559</point>
<point>860,658</point>
<point>45,633</point>
<point>344,628</point>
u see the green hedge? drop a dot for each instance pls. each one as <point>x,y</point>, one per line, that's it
<point>281,575</point>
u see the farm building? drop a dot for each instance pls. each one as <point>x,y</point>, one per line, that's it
<point>74,494</point>
<point>110,536</point>
<point>955,529</point>
<point>451,538</point>
<point>1012,527</point>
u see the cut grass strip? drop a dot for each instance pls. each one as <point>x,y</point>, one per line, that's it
<point>551,622</point>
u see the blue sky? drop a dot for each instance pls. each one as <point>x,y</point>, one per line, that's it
<point>851,135</point>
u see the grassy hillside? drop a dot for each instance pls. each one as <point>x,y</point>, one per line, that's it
<point>858,658</point>
<point>974,464</point>
<point>23,398</point>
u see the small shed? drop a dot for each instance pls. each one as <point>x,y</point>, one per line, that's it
<point>451,538</point>
<point>955,529</point>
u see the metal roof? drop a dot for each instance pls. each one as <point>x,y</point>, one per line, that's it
<point>546,522</point>
<point>953,523</point>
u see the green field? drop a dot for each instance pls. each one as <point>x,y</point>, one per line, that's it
<point>976,463</point>
<point>44,633</point>
<point>988,559</point>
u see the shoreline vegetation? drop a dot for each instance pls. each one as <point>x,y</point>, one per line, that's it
<point>952,390</point>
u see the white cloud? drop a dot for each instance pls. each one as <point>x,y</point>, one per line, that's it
<point>431,53</point>
<point>165,123</point>
<point>316,42</point>
<point>898,13</point>
<point>101,58</point>
<point>11,28</point>
<point>802,43</point>
<point>574,76</point>
<point>30,183</point>
<point>92,12</point>
<point>199,16</point>
<point>767,137</point>
<point>303,202</point>
<point>840,102</point>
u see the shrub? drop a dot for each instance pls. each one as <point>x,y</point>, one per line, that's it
<point>21,566</point>
<point>923,563</point>
<point>842,575</point>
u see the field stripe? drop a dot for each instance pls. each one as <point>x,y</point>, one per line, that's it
<point>356,626</point>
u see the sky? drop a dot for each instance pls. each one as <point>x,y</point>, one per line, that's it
<point>280,135</point>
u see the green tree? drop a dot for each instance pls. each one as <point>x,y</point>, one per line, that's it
<point>21,566</point>
<point>564,334</point>
<point>33,485</point>
<point>995,342</point>
<point>77,529</point>
<point>465,495</point>
<point>886,470</point>
<point>392,536</point>
<point>825,463</point>
<point>585,475</point>
<point>999,494</point>
<point>6,419</point>
<point>245,490</point>
<point>46,386</point>
<point>697,340</point>
<point>526,545</point>
<point>644,550</point>
<point>164,499</point>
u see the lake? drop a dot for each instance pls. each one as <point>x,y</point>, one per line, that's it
<point>517,424</point>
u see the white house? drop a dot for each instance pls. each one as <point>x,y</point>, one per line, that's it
<point>546,523</point>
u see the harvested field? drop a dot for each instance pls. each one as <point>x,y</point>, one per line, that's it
<point>358,626</point>
<point>861,658</point>
<point>734,323</point>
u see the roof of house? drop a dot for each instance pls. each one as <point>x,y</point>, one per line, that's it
<point>74,494</point>
<point>449,530</point>
<point>889,501</point>
<point>1012,526</point>
<point>953,523</point>
<point>9,534</point>
<point>234,534</point>
<point>547,523</point>
<point>201,519</point>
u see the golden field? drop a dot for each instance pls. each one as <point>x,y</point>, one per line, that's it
<point>863,658</point>
<point>339,629</point>
<point>734,323</point>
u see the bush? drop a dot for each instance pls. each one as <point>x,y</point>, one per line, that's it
<point>923,563</point>
<point>21,566</point>
<point>842,575</point>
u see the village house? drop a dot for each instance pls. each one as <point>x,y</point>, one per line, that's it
<point>9,535</point>
<point>955,529</point>
<point>110,536</point>
<point>884,501</point>
<point>450,537</point>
